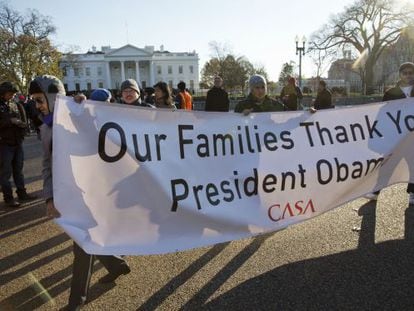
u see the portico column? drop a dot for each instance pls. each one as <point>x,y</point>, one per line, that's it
<point>138,77</point>
<point>152,73</point>
<point>122,71</point>
<point>108,76</point>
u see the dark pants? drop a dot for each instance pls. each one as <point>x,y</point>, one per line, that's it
<point>82,272</point>
<point>11,163</point>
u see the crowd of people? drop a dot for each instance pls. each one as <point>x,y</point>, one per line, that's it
<point>19,114</point>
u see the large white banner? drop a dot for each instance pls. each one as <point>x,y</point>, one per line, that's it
<point>131,180</point>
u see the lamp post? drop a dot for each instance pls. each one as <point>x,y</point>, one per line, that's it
<point>301,51</point>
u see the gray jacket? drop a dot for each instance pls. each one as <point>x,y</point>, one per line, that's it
<point>46,135</point>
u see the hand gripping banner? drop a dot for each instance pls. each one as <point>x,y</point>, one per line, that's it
<point>130,180</point>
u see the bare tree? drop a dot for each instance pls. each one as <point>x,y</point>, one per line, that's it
<point>322,59</point>
<point>25,50</point>
<point>368,26</point>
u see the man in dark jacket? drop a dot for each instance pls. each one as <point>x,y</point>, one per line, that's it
<point>13,126</point>
<point>217,98</point>
<point>258,100</point>
<point>403,89</point>
<point>323,99</point>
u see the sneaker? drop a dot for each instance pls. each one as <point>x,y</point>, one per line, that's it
<point>371,196</point>
<point>12,203</point>
<point>411,199</point>
<point>26,197</point>
<point>112,276</point>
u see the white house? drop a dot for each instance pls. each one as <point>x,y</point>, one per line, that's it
<point>109,67</point>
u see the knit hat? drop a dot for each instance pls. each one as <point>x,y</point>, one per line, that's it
<point>7,87</point>
<point>257,80</point>
<point>48,85</point>
<point>130,84</point>
<point>407,65</point>
<point>101,95</point>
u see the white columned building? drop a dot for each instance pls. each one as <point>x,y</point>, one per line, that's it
<point>108,67</point>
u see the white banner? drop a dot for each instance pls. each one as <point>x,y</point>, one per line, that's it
<point>131,180</point>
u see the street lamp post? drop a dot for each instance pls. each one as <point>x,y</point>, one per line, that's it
<point>301,51</point>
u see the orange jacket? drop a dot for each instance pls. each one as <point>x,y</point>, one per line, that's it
<point>186,101</point>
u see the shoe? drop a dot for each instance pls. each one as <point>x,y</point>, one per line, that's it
<point>71,308</point>
<point>371,196</point>
<point>12,203</point>
<point>26,197</point>
<point>411,199</point>
<point>112,276</point>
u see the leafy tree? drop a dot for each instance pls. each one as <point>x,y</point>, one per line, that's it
<point>286,72</point>
<point>25,49</point>
<point>368,26</point>
<point>234,70</point>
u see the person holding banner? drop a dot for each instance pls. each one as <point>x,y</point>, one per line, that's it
<point>323,98</point>
<point>44,90</point>
<point>258,100</point>
<point>130,94</point>
<point>403,89</point>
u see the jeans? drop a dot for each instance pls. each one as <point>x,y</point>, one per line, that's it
<point>82,272</point>
<point>11,163</point>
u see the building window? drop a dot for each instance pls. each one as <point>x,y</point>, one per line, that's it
<point>100,85</point>
<point>66,87</point>
<point>169,69</point>
<point>99,71</point>
<point>191,69</point>
<point>170,84</point>
<point>89,86</point>
<point>77,87</point>
<point>180,69</point>
<point>191,84</point>
<point>76,72</point>
<point>159,70</point>
<point>88,71</point>
<point>144,84</point>
<point>64,71</point>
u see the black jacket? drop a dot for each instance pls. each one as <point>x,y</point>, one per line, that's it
<point>11,134</point>
<point>395,93</point>
<point>323,100</point>
<point>217,100</point>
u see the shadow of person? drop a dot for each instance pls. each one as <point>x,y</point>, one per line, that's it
<point>371,277</point>
<point>379,278</point>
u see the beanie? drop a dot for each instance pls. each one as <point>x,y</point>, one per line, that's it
<point>101,95</point>
<point>130,84</point>
<point>257,80</point>
<point>407,65</point>
<point>48,85</point>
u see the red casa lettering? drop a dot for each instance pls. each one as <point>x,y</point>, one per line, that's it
<point>277,212</point>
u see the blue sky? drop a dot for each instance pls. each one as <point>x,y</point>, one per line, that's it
<point>263,30</point>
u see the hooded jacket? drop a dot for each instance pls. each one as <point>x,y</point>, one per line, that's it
<point>50,86</point>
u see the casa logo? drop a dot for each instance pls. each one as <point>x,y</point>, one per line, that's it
<point>277,212</point>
